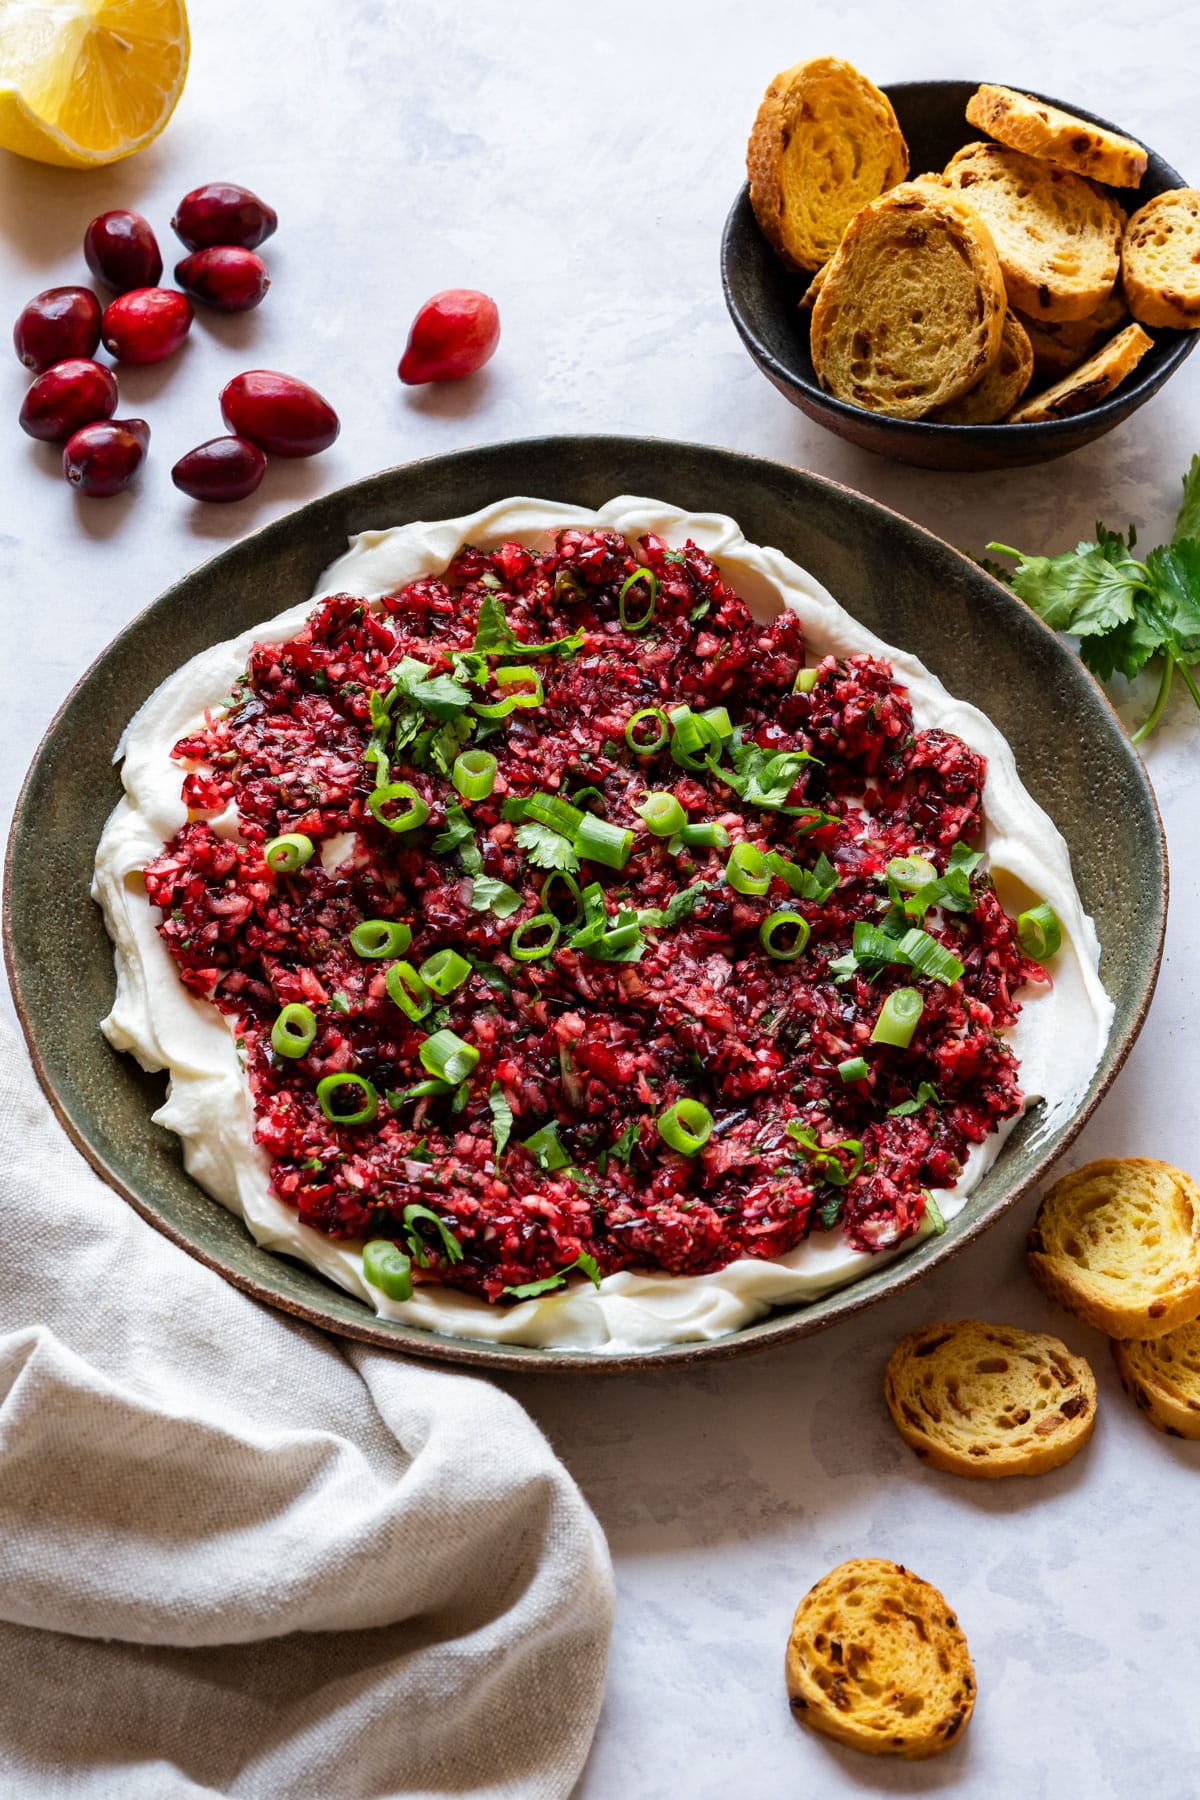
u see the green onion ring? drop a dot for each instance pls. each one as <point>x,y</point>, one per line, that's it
<point>899,1017</point>
<point>417,812</point>
<point>510,677</point>
<point>661,814</point>
<point>448,1057</point>
<point>572,887</point>
<point>747,870</point>
<point>706,834</point>
<point>373,938</point>
<point>474,774</point>
<point>408,991</point>
<point>780,921</point>
<point>910,873</point>
<point>599,841</point>
<point>853,1069</point>
<point>294,1030</point>
<point>805,682</point>
<point>332,1085</point>
<point>651,580</point>
<point>444,971</point>
<point>1039,933</point>
<point>288,853</point>
<point>543,921</point>
<point>646,747</point>
<point>387,1268</point>
<point>686,1126</point>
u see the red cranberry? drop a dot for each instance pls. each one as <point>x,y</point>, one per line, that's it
<point>60,323</point>
<point>225,468</point>
<point>147,324</point>
<point>103,458</point>
<point>454,334</point>
<point>283,416</point>
<point>67,396</point>
<point>224,276</point>
<point>121,249</point>
<point>220,213</point>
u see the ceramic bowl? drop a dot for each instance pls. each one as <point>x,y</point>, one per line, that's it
<point>763,301</point>
<point>901,581</point>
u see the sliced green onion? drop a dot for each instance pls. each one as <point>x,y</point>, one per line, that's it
<point>518,675</point>
<point>294,1030</point>
<point>899,1018</point>
<point>748,871</point>
<point>647,746</point>
<point>686,1126</point>
<point>331,1086</point>
<point>387,1268</point>
<point>910,873</point>
<point>1039,933</point>
<point>853,1069</point>
<point>417,812</point>
<point>543,923</point>
<point>588,794</point>
<point>662,814</point>
<point>784,921</point>
<point>373,938</point>
<point>805,682</point>
<point>474,774</point>
<point>288,853</point>
<point>718,717</point>
<point>705,835</point>
<point>572,887</point>
<point>444,971</point>
<point>601,842</point>
<point>448,1057</point>
<point>409,992</point>
<point>933,1213</point>
<point>558,814</point>
<point>696,743</point>
<point>639,576</point>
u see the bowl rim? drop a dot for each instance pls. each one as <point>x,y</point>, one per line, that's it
<point>777,1326</point>
<point>1123,399</point>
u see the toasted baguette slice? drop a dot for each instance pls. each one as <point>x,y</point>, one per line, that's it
<point>1057,349</point>
<point>912,309</point>
<point>988,1401</point>
<point>1000,386</point>
<point>825,141</point>
<point>1057,137</point>
<point>1118,1244</point>
<point>1162,1378</point>
<point>1160,260</point>
<point>1058,237</point>
<point>808,298</point>
<point>877,1660</point>
<point>1090,382</point>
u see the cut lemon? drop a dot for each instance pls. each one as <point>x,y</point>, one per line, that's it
<point>84,82</point>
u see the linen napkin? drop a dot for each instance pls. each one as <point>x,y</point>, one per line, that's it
<point>240,1558</point>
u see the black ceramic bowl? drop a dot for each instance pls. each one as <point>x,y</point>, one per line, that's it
<point>762,297</point>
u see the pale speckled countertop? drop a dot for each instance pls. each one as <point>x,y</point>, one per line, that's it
<point>577,161</point>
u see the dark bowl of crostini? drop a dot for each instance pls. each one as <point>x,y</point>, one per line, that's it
<point>763,297</point>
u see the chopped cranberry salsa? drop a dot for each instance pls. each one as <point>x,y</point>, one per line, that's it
<point>669,1032</point>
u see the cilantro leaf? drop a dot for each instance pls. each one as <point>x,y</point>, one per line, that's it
<point>546,849</point>
<point>459,836</point>
<point>502,1120</point>
<point>545,1147</point>
<point>924,1094</point>
<point>1187,525</point>
<point>450,1244</point>
<point>490,895</point>
<point>951,891</point>
<point>1085,590</point>
<point>529,1290</point>
<point>831,1212</point>
<point>1175,572</point>
<point>442,697</point>
<point>680,906</point>
<point>494,636</point>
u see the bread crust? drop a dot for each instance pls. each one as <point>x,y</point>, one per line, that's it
<point>1090,383</point>
<point>1025,123</point>
<point>911,311</point>
<point>877,1660</point>
<point>824,142</point>
<point>1160,260</point>
<point>1057,236</point>
<point>1117,1243</point>
<point>989,1401</point>
<point>1059,348</point>
<point>1000,386</point>
<point>1162,1378</point>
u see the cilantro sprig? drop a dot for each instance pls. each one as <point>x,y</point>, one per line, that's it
<point>1122,610</point>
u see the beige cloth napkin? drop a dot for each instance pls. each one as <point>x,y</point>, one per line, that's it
<point>239,1558</point>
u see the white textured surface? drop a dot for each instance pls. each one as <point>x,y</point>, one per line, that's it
<point>578,162</point>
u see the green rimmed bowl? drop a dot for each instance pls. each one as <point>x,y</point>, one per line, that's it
<point>901,581</point>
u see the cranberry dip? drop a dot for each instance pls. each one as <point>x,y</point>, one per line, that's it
<point>574,929</point>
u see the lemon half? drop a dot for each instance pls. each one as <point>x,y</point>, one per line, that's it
<point>84,82</point>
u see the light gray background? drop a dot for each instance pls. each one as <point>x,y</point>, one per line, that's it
<point>577,161</point>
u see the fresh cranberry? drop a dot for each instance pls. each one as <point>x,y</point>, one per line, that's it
<point>103,458</point>
<point>283,416</point>
<point>225,468</point>
<point>62,322</point>
<point>121,249</point>
<point>66,396</point>
<point>454,334</point>
<point>147,324</point>
<point>221,213</point>
<point>224,276</point>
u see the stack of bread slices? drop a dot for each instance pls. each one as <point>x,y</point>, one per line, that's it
<point>957,295</point>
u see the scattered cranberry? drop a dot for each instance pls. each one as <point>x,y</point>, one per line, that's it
<point>454,334</point>
<point>121,249</point>
<point>283,416</point>
<point>224,276</point>
<point>66,396</point>
<point>147,324</point>
<point>103,458</point>
<point>220,213</point>
<point>225,468</point>
<point>60,323</point>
